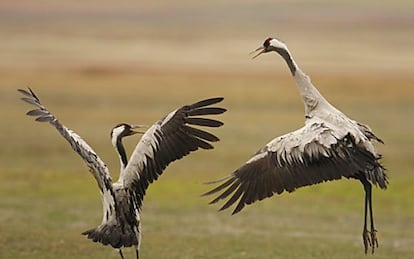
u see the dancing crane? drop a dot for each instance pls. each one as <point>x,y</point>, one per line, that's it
<point>169,139</point>
<point>330,146</point>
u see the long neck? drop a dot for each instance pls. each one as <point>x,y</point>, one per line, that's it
<point>310,95</point>
<point>119,147</point>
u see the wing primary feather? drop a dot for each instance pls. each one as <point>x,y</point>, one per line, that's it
<point>219,180</point>
<point>201,134</point>
<point>24,92</point>
<point>247,193</point>
<point>227,192</point>
<point>220,187</point>
<point>37,112</point>
<point>33,94</point>
<point>206,111</point>
<point>203,122</point>
<point>206,102</point>
<point>44,119</point>
<point>31,101</point>
<point>233,198</point>
<point>203,144</point>
<point>239,206</point>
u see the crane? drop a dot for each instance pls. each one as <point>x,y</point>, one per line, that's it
<point>328,147</point>
<point>169,139</point>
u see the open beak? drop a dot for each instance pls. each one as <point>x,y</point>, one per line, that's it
<point>134,131</point>
<point>258,51</point>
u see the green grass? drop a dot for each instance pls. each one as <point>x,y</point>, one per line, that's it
<point>136,64</point>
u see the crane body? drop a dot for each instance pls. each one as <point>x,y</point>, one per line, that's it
<point>328,147</point>
<point>169,139</point>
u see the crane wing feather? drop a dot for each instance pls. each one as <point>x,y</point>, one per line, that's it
<point>310,155</point>
<point>203,122</point>
<point>206,111</point>
<point>96,166</point>
<point>167,140</point>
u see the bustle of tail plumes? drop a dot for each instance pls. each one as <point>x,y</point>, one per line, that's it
<point>112,233</point>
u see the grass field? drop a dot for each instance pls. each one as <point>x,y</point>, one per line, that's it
<point>97,66</point>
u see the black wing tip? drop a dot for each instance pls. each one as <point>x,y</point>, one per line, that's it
<point>239,207</point>
<point>217,180</point>
<point>230,187</point>
<point>227,205</point>
<point>216,99</point>
<point>29,92</point>
<point>200,121</point>
<point>203,144</point>
<point>215,124</point>
<point>206,111</point>
<point>206,102</point>
<point>30,98</point>
<point>23,91</point>
<point>235,211</point>
<point>41,114</point>
<point>228,180</point>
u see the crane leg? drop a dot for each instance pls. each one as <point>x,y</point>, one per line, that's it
<point>374,240</point>
<point>137,252</point>
<point>369,237</point>
<point>365,235</point>
<point>121,254</point>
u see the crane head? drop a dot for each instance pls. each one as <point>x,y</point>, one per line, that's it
<point>270,44</point>
<point>124,130</point>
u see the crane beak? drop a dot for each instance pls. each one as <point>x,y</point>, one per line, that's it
<point>258,51</point>
<point>133,131</point>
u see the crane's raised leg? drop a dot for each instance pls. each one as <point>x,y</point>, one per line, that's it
<point>369,237</point>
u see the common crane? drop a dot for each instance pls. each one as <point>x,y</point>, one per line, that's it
<point>169,139</point>
<point>330,146</point>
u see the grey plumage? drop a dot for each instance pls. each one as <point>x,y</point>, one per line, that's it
<point>169,139</point>
<point>329,147</point>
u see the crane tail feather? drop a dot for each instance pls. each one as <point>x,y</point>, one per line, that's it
<point>112,234</point>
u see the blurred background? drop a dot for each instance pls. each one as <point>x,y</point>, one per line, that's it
<point>97,63</point>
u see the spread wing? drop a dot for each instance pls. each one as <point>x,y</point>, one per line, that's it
<point>168,140</point>
<point>313,154</point>
<point>96,166</point>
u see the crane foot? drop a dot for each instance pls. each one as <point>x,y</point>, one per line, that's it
<point>366,238</point>
<point>370,240</point>
<point>374,240</point>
